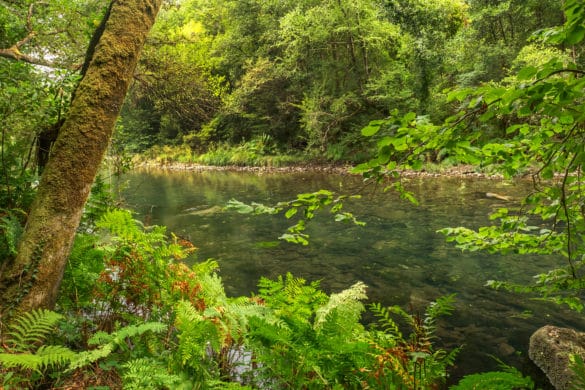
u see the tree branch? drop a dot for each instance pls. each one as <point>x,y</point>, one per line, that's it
<point>558,71</point>
<point>13,52</point>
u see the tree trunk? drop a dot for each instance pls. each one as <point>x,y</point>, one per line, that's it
<point>32,280</point>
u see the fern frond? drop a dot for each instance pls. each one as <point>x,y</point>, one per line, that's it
<point>347,303</point>
<point>495,380</point>
<point>25,361</point>
<point>85,263</point>
<point>99,338</point>
<point>55,355</point>
<point>148,374</point>
<point>45,356</point>
<point>212,289</point>
<point>447,358</point>
<point>385,321</point>
<point>442,306</point>
<point>11,228</point>
<point>268,334</point>
<point>578,367</point>
<point>291,297</point>
<point>31,328</point>
<point>130,331</point>
<point>121,224</point>
<point>206,267</point>
<point>109,342</point>
<point>239,310</point>
<point>185,313</point>
<point>195,334</point>
<point>88,357</point>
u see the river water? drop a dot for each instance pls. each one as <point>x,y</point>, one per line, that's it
<point>398,254</point>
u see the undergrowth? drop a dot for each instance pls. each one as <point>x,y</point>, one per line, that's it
<point>247,154</point>
<point>132,309</point>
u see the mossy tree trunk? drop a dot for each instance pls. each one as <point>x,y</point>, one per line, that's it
<point>32,280</point>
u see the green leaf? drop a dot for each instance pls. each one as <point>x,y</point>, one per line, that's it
<point>385,142</point>
<point>360,168</point>
<point>487,116</point>
<point>291,212</point>
<point>341,218</point>
<point>566,119</point>
<point>400,145</point>
<point>575,35</point>
<point>409,197</point>
<point>384,155</point>
<point>239,207</point>
<point>458,94</point>
<point>527,73</point>
<point>295,238</point>
<point>372,128</point>
<point>417,164</point>
<point>408,119</point>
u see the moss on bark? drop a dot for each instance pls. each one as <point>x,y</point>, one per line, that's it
<point>32,280</point>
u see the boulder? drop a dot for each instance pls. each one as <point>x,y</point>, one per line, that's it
<point>550,348</point>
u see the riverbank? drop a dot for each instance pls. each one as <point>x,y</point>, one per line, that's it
<point>431,171</point>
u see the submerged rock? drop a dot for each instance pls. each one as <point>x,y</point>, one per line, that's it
<point>550,349</point>
<point>506,349</point>
<point>204,212</point>
<point>493,195</point>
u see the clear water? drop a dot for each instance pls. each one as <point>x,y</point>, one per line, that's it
<point>398,254</point>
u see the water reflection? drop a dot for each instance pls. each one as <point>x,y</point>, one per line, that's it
<point>398,254</point>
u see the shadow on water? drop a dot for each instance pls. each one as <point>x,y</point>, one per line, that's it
<point>398,254</point>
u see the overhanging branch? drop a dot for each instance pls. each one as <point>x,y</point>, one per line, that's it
<point>13,52</point>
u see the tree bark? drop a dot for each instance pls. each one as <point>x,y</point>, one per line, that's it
<point>32,280</point>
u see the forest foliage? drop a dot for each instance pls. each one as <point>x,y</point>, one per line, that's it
<point>281,77</point>
<point>307,76</point>
<point>388,85</point>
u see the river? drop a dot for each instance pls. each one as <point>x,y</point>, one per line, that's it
<point>398,254</point>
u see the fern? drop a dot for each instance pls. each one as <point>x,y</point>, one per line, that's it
<point>108,343</point>
<point>24,344</point>
<point>508,379</point>
<point>84,266</point>
<point>46,356</point>
<point>442,306</point>
<point>138,279</point>
<point>385,321</point>
<point>411,362</point>
<point>126,229</point>
<point>119,337</point>
<point>146,373</point>
<point>206,267</point>
<point>267,333</point>
<point>101,200</point>
<point>85,358</point>
<point>291,297</point>
<point>121,224</point>
<point>11,228</point>
<point>308,340</point>
<point>195,335</point>
<point>31,329</point>
<point>212,290</point>
<point>346,303</point>
<point>578,367</point>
